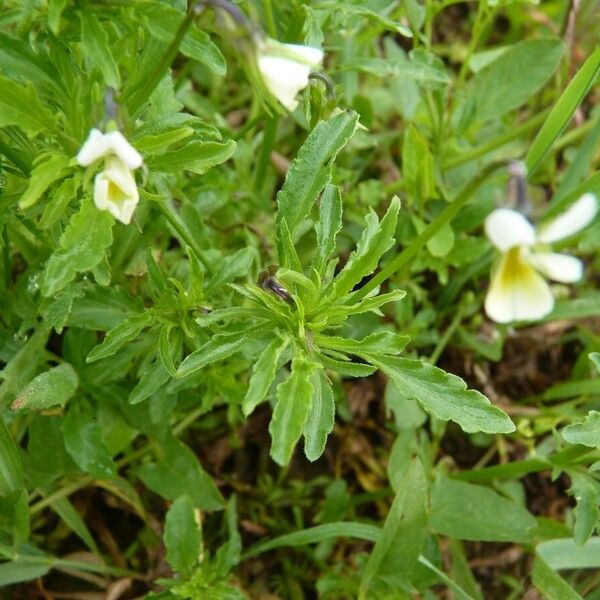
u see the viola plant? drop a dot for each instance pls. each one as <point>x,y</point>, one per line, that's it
<point>517,289</point>
<point>249,342</point>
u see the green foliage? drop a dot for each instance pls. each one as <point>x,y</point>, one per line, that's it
<point>279,377</point>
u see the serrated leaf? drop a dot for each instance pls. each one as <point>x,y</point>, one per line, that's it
<point>152,377</point>
<point>50,168</point>
<point>346,368</point>
<point>321,417</point>
<point>51,388</point>
<point>328,225</point>
<point>586,433</point>
<point>376,240</point>
<point>195,156</point>
<point>82,247</point>
<point>20,106</point>
<point>444,395</point>
<point>221,346</point>
<point>263,375</point>
<point>182,535</point>
<point>96,48</point>
<point>232,267</point>
<point>586,491</point>
<point>380,343</point>
<point>310,171</point>
<point>291,411</point>
<point>117,337</point>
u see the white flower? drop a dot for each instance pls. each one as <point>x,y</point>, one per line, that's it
<point>518,290</point>
<point>101,145</point>
<point>285,69</point>
<point>115,190</point>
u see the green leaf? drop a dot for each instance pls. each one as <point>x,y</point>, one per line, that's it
<point>472,512</point>
<point>182,535</point>
<point>586,490</point>
<point>96,48</point>
<point>417,165</point>
<point>178,473</point>
<point>83,441</point>
<point>291,411</point>
<point>586,433</point>
<point>321,417</point>
<point>233,266</point>
<point>195,156</point>
<point>221,346</point>
<point>152,377</point>
<point>117,337</point>
<point>11,465</point>
<point>82,246</point>
<point>51,388</point>
<point>163,21</point>
<point>59,200</point>
<point>20,105</point>
<point>50,168</point>
<point>328,225</point>
<point>511,79</point>
<point>550,583</point>
<point>263,375</point>
<point>568,554</point>
<point>595,360</point>
<point>66,511</point>
<point>563,110</point>
<point>310,171</point>
<point>444,395</point>
<point>16,572</point>
<point>396,552</point>
<point>380,343</point>
<point>376,240</point>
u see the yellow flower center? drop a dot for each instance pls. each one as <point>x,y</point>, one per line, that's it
<point>514,267</point>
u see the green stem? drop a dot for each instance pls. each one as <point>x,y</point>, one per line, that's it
<point>136,100</point>
<point>270,19</point>
<point>501,140</point>
<point>443,342</point>
<point>419,242</point>
<point>181,230</point>
<point>269,134</point>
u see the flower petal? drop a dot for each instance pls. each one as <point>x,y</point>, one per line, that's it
<point>508,228</point>
<point>124,150</point>
<point>558,267</point>
<point>578,216</point>
<point>307,55</point>
<point>96,146</point>
<point>115,190</point>
<point>517,292</point>
<point>284,78</point>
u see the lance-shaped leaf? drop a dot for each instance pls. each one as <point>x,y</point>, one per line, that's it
<point>51,388</point>
<point>328,225</point>
<point>96,47</point>
<point>376,240</point>
<point>321,417</point>
<point>310,171</point>
<point>263,375</point>
<point>117,337</point>
<point>396,552</point>
<point>292,408</point>
<point>11,465</point>
<point>50,168</point>
<point>182,535</point>
<point>444,395</point>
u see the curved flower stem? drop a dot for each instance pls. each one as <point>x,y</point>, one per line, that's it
<point>419,242</point>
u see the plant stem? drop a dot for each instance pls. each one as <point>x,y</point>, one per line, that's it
<point>497,142</point>
<point>137,98</point>
<point>443,342</point>
<point>181,230</point>
<point>269,134</point>
<point>419,242</point>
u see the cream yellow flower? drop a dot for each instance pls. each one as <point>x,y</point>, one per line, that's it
<point>518,288</point>
<point>285,69</point>
<point>115,189</point>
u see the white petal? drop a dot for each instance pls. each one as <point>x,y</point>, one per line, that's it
<point>96,146</point>
<point>579,215</point>
<point>558,267</point>
<point>284,78</point>
<point>307,55</point>
<point>115,190</point>
<point>124,150</point>
<point>517,292</point>
<point>508,228</point>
